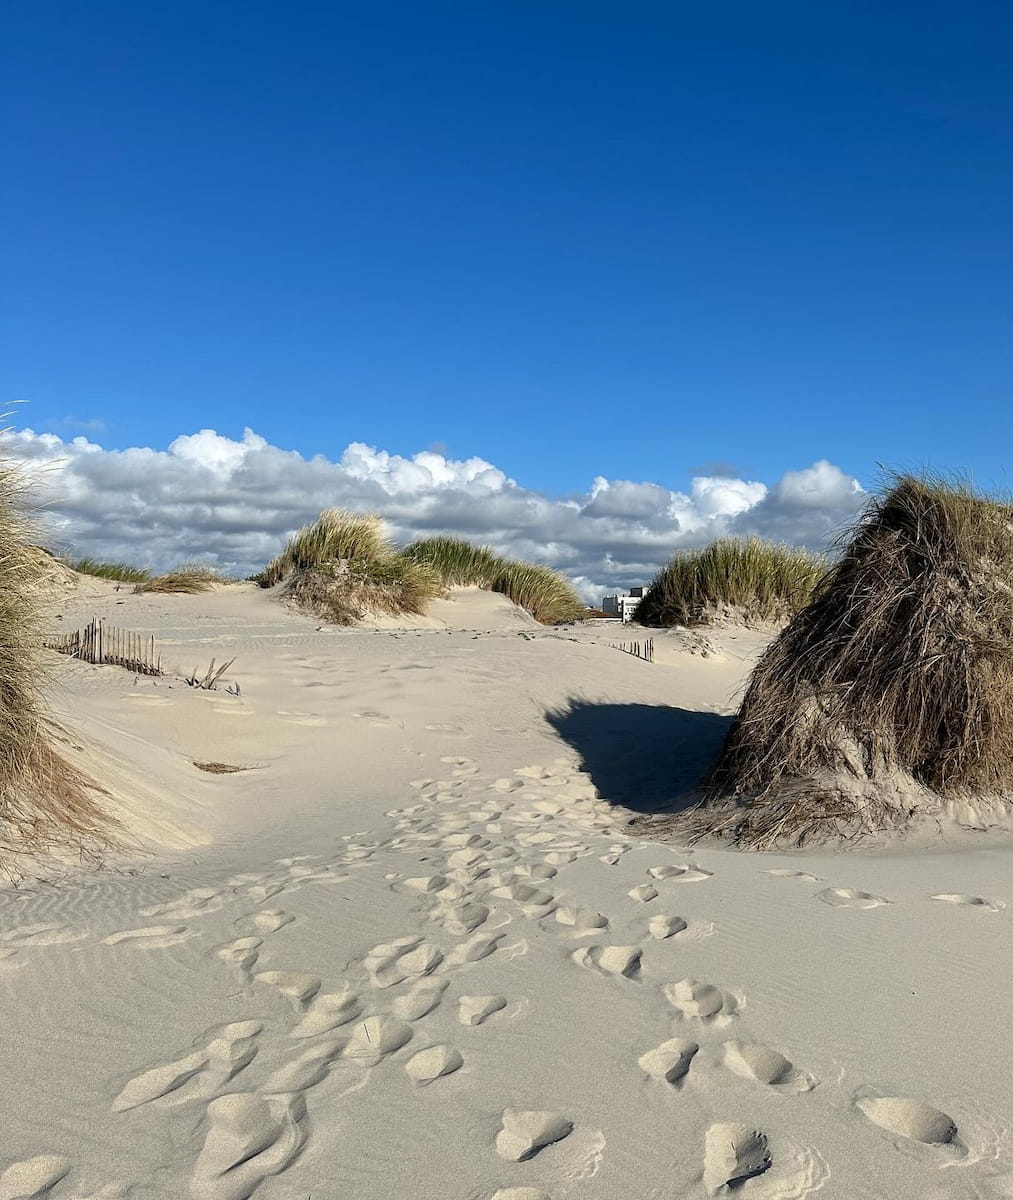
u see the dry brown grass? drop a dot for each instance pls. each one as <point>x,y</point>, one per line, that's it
<point>44,801</point>
<point>892,689</point>
<point>219,768</point>
<point>189,579</point>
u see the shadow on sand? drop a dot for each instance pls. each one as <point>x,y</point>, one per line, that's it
<point>646,757</point>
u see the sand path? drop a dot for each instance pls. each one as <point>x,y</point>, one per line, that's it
<point>417,952</point>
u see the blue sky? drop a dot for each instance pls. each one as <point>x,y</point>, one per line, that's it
<point>645,241</point>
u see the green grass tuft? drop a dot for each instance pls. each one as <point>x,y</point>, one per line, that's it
<point>546,594</point>
<point>117,571</point>
<point>335,536</point>
<point>764,580</point>
<point>457,562</point>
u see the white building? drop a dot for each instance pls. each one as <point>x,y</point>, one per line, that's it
<point>623,607</point>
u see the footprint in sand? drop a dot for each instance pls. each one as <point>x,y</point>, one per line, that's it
<point>420,1000</point>
<point>643,894</point>
<point>33,1176</point>
<point>328,1011</point>
<point>250,1138</point>
<point>473,950</point>
<point>433,1063</point>
<point>42,935</point>
<point>375,1038</point>
<point>378,720</point>
<point>299,987</point>
<point>241,953</point>
<point>159,1081</point>
<point>194,903</point>
<point>663,926</point>
<point>695,1000</point>
<point>475,1010</point>
<point>732,1154</point>
<point>442,727</point>
<point>150,937</point>
<point>909,1118</point>
<point>963,898</point>
<point>623,961</point>
<point>849,898</point>
<point>225,1056</point>
<point>581,921</point>
<point>670,1061</point>
<point>302,718</point>
<point>785,873</point>
<point>268,921</point>
<point>393,965</point>
<point>525,1132</point>
<point>307,1069</point>
<point>753,1061</point>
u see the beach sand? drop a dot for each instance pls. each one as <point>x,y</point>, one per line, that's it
<point>415,947</point>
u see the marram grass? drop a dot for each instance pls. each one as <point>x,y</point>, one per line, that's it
<point>335,536</point>
<point>891,692</point>
<point>44,801</point>
<point>763,580</point>
<point>456,561</point>
<point>117,571</point>
<point>344,593</point>
<point>546,594</point>
<point>190,579</point>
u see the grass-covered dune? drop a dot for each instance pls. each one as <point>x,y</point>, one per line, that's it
<point>761,580</point>
<point>546,594</point>
<point>892,688</point>
<point>343,566</point>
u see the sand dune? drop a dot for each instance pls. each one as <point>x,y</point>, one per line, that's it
<point>415,948</point>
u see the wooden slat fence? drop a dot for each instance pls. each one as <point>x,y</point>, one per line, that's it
<point>106,645</point>
<point>643,650</point>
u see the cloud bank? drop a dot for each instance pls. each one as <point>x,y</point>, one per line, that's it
<point>232,503</point>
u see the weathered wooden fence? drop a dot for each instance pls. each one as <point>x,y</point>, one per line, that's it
<point>644,650</point>
<point>106,645</point>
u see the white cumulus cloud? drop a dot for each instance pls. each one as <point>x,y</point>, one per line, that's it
<point>232,503</point>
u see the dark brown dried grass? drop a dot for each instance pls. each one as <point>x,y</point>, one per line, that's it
<point>891,690</point>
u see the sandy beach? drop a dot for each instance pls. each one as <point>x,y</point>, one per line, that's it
<point>416,948</point>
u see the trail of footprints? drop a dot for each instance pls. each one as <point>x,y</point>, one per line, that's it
<point>490,860</point>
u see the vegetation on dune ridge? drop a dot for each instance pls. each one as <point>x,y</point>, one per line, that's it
<point>189,578</point>
<point>44,801</point>
<point>892,690</point>
<point>335,536</point>
<point>545,593</point>
<point>764,580</point>
<point>117,571</point>
<point>456,561</point>
<point>344,593</point>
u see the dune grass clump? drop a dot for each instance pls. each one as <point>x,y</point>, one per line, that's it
<point>457,562</point>
<point>335,536</point>
<point>346,592</point>
<point>190,579</point>
<point>892,690</point>
<point>762,580</point>
<point>546,594</point>
<point>44,801</point>
<point>117,571</point>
